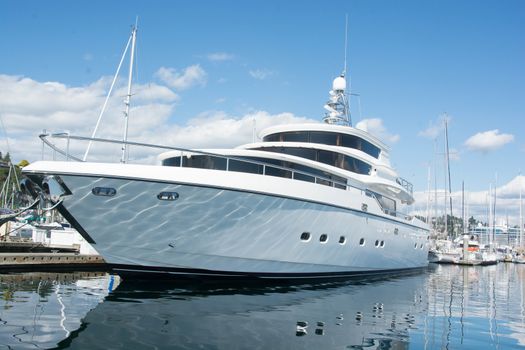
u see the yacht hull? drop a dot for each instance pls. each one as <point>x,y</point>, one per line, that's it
<point>216,231</point>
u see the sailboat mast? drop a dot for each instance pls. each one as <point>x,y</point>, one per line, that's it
<point>463,205</point>
<point>447,155</point>
<point>521,215</point>
<point>125,153</point>
<point>494,211</point>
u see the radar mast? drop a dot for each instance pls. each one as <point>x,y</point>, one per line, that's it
<point>337,107</point>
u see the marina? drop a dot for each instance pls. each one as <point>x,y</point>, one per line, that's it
<point>262,175</point>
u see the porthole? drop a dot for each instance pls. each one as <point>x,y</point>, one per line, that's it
<point>342,240</point>
<point>168,196</point>
<point>377,243</point>
<point>104,191</point>
<point>421,246</point>
<point>305,236</point>
<point>396,231</point>
<point>382,244</point>
<point>362,242</point>
<point>323,238</point>
<point>415,245</point>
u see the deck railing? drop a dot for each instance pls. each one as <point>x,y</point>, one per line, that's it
<point>184,152</point>
<point>405,184</point>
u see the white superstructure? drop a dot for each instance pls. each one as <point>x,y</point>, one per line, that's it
<point>309,201</point>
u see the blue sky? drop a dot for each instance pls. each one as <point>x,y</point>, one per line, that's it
<point>411,61</point>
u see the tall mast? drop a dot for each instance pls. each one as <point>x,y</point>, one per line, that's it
<point>447,151</point>
<point>494,210</point>
<point>489,224</point>
<point>463,205</point>
<point>125,151</point>
<point>521,215</point>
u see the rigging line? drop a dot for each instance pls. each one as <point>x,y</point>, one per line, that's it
<point>5,134</point>
<point>107,98</point>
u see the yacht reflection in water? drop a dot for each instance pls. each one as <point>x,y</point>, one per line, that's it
<point>38,310</point>
<point>446,307</point>
<point>361,313</point>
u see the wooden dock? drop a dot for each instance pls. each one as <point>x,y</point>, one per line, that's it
<point>42,261</point>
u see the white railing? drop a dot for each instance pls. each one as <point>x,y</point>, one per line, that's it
<point>405,184</point>
<point>184,152</point>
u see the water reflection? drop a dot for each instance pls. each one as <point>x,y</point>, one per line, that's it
<point>38,310</point>
<point>446,307</point>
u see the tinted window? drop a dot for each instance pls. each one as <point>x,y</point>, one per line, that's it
<point>326,157</point>
<point>278,172</point>
<point>272,138</point>
<point>174,161</point>
<point>326,138</point>
<point>356,165</point>
<point>388,204</point>
<point>295,136</point>
<point>205,162</point>
<point>245,167</point>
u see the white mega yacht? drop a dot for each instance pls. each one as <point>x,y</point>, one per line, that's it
<point>308,201</point>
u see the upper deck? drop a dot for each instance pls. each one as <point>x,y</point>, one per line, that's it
<point>329,134</point>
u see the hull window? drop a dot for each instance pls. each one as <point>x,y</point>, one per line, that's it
<point>168,196</point>
<point>342,240</point>
<point>362,242</point>
<point>323,238</point>
<point>305,236</point>
<point>104,191</point>
<point>377,243</point>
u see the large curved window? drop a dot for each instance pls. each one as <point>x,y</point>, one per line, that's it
<point>327,157</point>
<point>281,169</point>
<point>326,138</point>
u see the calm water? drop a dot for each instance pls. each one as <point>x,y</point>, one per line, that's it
<point>445,307</point>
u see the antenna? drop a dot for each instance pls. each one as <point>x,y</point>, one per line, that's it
<point>337,108</point>
<point>346,42</point>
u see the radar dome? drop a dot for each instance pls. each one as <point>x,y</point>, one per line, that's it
<point>339,84</point>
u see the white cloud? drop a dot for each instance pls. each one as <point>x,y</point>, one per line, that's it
<point>217,129</point>
<point>477,202</point>
<point>189,77</point>
<point>375,127</point>
<point>435,127</point>
<point>432,131</point>
<point>261,74</point>
<point>220,56</point>
<point>28,106</point>
<point>488,141</point>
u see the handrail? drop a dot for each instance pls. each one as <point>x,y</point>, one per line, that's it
<point>69,137</point>
<point>405,184</point>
